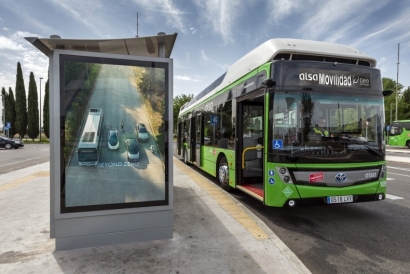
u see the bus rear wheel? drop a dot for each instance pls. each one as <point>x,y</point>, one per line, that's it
<point>408,144</point>
<point>186,157</point>
<point>223,174</point>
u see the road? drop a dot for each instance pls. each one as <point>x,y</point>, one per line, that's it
<point>355,238</point>
<point>29,155</point>
<point>115,179</point>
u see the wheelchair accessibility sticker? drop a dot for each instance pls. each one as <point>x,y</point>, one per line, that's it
<point>272,181</point>
<point>277,144</point>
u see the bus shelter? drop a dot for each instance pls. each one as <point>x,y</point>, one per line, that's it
<point>110,139</point>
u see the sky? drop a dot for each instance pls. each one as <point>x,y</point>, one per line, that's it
<point>212,34</point>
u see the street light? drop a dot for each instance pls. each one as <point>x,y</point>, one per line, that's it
<point>41,78</point>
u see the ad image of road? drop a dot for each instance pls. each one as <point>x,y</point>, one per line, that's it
<point>115,179</point>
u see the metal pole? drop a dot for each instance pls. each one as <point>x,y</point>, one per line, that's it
<point>40,107</point>
<point>397,81</point>
<point>391,113</point>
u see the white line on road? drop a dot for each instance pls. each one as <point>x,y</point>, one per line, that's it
<point>399,174</point>
<point>392,197</point>
<point>390,179</point>
<point>24,160</point>
<point>399,168</point>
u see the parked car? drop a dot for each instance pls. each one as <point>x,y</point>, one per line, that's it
<point>142,132</point>
<point>133,149</point>
<point>8,143</point>
<point>113,141</point>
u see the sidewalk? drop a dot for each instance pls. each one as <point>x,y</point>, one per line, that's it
<point>213,233</point>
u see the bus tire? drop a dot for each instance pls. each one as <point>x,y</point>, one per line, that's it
<point>408,144</point>
<point>223,174</point>
<point>185,157</point>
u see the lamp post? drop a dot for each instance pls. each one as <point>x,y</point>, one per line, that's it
<point>41,78</point>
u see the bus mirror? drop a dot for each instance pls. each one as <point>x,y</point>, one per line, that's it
<point>387,92</point>
<point>269,83</point>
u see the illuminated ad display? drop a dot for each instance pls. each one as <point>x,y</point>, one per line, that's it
<point>113,133</point>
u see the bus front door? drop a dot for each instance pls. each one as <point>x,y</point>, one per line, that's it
<point>250,144</point>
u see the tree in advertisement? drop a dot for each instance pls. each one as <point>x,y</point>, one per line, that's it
<point>46,112</point>
<point>11,112</point>
<point>32,111</point>
<point>21,104</point>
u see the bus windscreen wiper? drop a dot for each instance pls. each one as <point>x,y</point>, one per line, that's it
<point>370,149</point>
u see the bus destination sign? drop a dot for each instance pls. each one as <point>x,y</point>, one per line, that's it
<point>334,78</point>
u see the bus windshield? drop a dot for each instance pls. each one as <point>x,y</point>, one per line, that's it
<point>323,127</point>
<point>87,155</point>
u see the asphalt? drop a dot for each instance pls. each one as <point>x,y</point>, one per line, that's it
<point>213,233</point>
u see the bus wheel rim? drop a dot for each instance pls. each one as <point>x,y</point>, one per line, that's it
<point>223,173</point>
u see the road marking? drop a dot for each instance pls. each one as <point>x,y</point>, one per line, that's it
<point>392,197</point>
<point>24,160</point>
<point>390,179</point>
<point>23,180</point>
<point>399,174</point>
<point>399,168</point>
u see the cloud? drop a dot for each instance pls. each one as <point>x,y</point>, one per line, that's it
<point>173,15</point>
<point>30,58</point>
<point>25,13</point>
<point>93,14</point>
<point>281,9</point>
<point>221,15</point>
<point>187,78</point>
<point>204,57</point>
<point>7,43</point>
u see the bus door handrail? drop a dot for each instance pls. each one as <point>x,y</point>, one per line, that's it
<point>245,150</point>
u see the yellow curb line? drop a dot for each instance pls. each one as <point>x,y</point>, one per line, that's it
<point>23,180</point>
<point>225,201</point>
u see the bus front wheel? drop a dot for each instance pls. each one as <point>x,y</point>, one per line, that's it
<point>223,174</point>
<point>408,144</point>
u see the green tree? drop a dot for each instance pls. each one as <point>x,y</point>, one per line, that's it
<point>11,112</point>
<point>32,110</point>
<point>179,101</point>
<point>46,112</point>
<point>390,101</point>
<point>4,104</point>
<point>405,104</point>
<point>21,104</point>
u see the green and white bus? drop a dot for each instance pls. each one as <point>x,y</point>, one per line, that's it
<point>399,133</point>
<point>254,128</point>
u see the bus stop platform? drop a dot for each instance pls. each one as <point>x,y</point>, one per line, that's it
<point>213,233</point>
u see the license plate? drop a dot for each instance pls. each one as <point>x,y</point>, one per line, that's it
<point>340,199</point>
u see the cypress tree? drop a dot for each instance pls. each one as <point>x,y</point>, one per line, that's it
<point>21,104</point>
<point>46,112</point>
<point>4,104</point>
<point>32,110</point>
<point>11,113</point>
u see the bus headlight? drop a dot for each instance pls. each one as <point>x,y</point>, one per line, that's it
<point>383,172</point>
